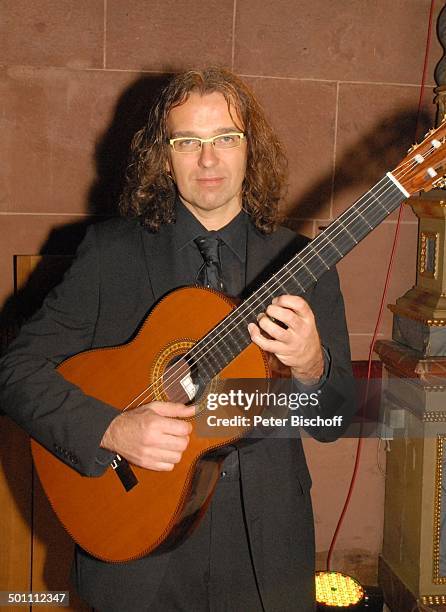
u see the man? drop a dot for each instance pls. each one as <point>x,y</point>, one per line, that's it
<point>207,169</point>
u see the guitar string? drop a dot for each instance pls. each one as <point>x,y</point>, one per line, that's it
<point>248,303</point>
<point>301,255</point>
<point>197,356</point>
<point>273,280</point>
<point>250,306</point>
<point>302,262</point>
<point>251,302</point>
<point>240,310</point>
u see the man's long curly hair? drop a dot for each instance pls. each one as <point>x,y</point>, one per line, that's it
<point>150,192</point>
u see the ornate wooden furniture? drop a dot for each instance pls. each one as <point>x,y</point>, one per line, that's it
<point>413,562</point>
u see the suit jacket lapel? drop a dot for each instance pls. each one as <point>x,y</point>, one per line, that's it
<point>255,257</point>
<point>159,259</point>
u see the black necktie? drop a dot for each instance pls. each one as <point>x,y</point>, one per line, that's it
<point>209,274</point>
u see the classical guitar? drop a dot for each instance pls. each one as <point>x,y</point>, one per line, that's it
<point>129,511</point>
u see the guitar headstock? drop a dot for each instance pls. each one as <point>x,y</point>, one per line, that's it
<point>424,167</point>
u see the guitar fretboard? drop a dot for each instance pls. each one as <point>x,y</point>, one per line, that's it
<point>230,337</point>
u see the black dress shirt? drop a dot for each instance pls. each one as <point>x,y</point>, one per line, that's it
<point>188,261</point>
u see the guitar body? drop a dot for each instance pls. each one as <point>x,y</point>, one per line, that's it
<point>110,522</point>
<point>117,519</point>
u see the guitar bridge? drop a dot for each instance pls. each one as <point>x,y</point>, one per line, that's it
<point>189,386</point>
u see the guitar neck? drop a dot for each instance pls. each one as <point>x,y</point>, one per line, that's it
<point>230,337</point>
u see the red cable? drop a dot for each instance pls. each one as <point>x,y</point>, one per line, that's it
<point>426,58</point>
<point>380,313</point>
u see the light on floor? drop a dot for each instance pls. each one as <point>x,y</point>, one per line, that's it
<point>338,591</point>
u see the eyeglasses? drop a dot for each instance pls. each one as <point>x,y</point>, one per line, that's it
<point>186,144</point>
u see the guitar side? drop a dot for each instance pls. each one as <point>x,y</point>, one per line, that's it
<point>108,521</point>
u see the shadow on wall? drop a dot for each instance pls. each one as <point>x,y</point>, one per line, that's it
<point>110,159</point>
<point>377,151</point>
<point>112,151</point>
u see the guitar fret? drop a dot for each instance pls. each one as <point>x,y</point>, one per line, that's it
<point>307,268</point>
<point>287,283</point>
<point>327,237</point>
<point>258,306</point>
<point>294,286</point>
<point>363,217</point>
<point>319,257</point>
<point>238,345</point>
<point>226,344</point>
<point>280,285</point>
<point>348,232</point>
<point>301,287</point>
<point>230,337</point>
<point>378,201</point>
<point>206,367</point>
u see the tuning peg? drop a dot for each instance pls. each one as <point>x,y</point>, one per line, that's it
<point>412,148</point>
<point>440,183</point>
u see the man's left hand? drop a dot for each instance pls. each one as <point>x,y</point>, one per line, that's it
<point>298,346</point>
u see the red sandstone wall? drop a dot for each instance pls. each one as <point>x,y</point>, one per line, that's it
<point>340,82</point>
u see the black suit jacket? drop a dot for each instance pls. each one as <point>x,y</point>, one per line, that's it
<point>121,270</point>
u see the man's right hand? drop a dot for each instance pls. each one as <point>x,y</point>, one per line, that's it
<point>148,436</point>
